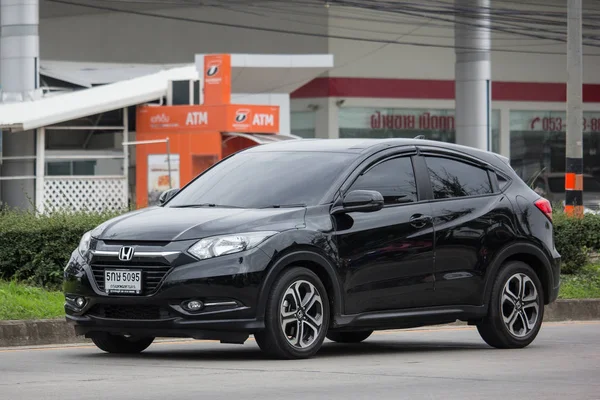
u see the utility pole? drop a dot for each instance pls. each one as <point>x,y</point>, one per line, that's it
<point>473,73</point>
<point>574,139</point>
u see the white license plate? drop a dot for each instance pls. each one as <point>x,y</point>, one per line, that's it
<point>123,282</point>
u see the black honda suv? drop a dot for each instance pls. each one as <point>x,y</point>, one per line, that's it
<point>297,241</point>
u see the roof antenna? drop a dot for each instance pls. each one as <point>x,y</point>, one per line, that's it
<point>420,137</point>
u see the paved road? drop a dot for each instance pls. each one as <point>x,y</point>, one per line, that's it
<point>441,363</point>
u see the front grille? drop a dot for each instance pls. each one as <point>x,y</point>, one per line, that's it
<point>113,311</point>
<point>152,274</point>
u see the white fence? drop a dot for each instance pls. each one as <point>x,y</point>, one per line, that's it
<point>81,193</point>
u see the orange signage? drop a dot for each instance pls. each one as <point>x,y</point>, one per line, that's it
<point>217,79</point>
<point>180,118</point>
<point>195,131</point>
<point>252,119</point>
<point>223,118</point>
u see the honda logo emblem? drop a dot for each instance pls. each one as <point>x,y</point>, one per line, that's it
<point>126,253</point>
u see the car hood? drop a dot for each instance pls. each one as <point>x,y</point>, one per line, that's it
<point>171,224</point>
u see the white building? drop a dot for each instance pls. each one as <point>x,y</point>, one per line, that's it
<point>375,89</point>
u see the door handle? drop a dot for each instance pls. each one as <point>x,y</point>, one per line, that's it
<point>419,220</point>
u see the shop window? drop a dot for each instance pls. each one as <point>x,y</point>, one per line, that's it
<point>537,145</point>
<point>84,167</point>
<point>70,168</point>
<point>439,125</point>
<point>62,168</point>
<point>303,124</point>
<point>393,178</point>
<point>451,178</point>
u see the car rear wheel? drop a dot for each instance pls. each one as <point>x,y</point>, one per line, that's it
<point>297,316</point>
<point>516,308</point>
<point>120,344</point>
<point>349,337</point>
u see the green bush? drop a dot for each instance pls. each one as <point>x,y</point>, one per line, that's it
<point>35,249</point>
<point>571,240</point>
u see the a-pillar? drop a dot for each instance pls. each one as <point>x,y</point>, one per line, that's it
<point>473,73</point>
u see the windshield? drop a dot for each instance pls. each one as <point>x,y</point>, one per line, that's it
<point>265,179</point>
<point>557,184</point>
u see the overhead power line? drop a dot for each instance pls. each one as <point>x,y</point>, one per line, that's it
<point>251,9</point>
<point>505,26</point>
<point>294,32</point>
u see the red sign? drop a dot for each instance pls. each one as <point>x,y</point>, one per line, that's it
<point>425,121</point>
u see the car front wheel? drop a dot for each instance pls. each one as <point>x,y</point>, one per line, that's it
<point>516,308</point>
<point>297,316</point>
<point>120,344</point>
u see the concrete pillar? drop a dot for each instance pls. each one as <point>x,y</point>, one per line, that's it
<point>473,73</point>
<point>327,124</point>
<point>19,49</point>
<point>19,81</point>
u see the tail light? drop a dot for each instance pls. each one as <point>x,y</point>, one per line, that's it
<point>545,207</point>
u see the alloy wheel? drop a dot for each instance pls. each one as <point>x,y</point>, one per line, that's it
<point>301,314</point>
<point>520,305</point>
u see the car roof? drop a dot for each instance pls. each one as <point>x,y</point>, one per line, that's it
<point>365,145</point>
<point>320,145</point>
<point>360,145</point>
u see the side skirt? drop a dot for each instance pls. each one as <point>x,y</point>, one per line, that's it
<point>408,318</point>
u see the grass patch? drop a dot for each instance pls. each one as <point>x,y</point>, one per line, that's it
<point>18,301</point>
<point>585,285</point>
<point>21,301</point>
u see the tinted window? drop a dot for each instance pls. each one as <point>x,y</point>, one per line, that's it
<point>450,178</point>
<point>502,181</point>
<point>393,178</point>
<point>263,179</point>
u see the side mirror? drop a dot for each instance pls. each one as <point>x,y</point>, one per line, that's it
<point>167,195</point>
<point>362,201</point>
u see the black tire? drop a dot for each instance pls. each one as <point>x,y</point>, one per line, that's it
<point>273,340</point>
<point>119,344</point>
<point>493,329</point>
<point>349,337</point>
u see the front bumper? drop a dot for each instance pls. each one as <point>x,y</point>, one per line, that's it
<point>227,286</point>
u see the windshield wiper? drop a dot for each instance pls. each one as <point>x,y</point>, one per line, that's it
<point>285,205</point>
<point>205,205</point>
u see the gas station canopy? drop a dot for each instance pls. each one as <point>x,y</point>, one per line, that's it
<point>272,73</point>
<point>250,74</point>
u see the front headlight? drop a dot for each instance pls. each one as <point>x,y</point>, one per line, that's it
<point>228,244</point>
<point>84,244</point>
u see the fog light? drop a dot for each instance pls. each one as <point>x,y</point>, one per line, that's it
<point>193,305</point>
<point>80,301</point>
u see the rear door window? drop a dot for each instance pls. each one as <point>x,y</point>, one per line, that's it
<point>452,178</point>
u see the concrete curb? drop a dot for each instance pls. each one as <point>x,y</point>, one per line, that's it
<point>57,331</point>
<point>37,332</point>
<point>573,310</point>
